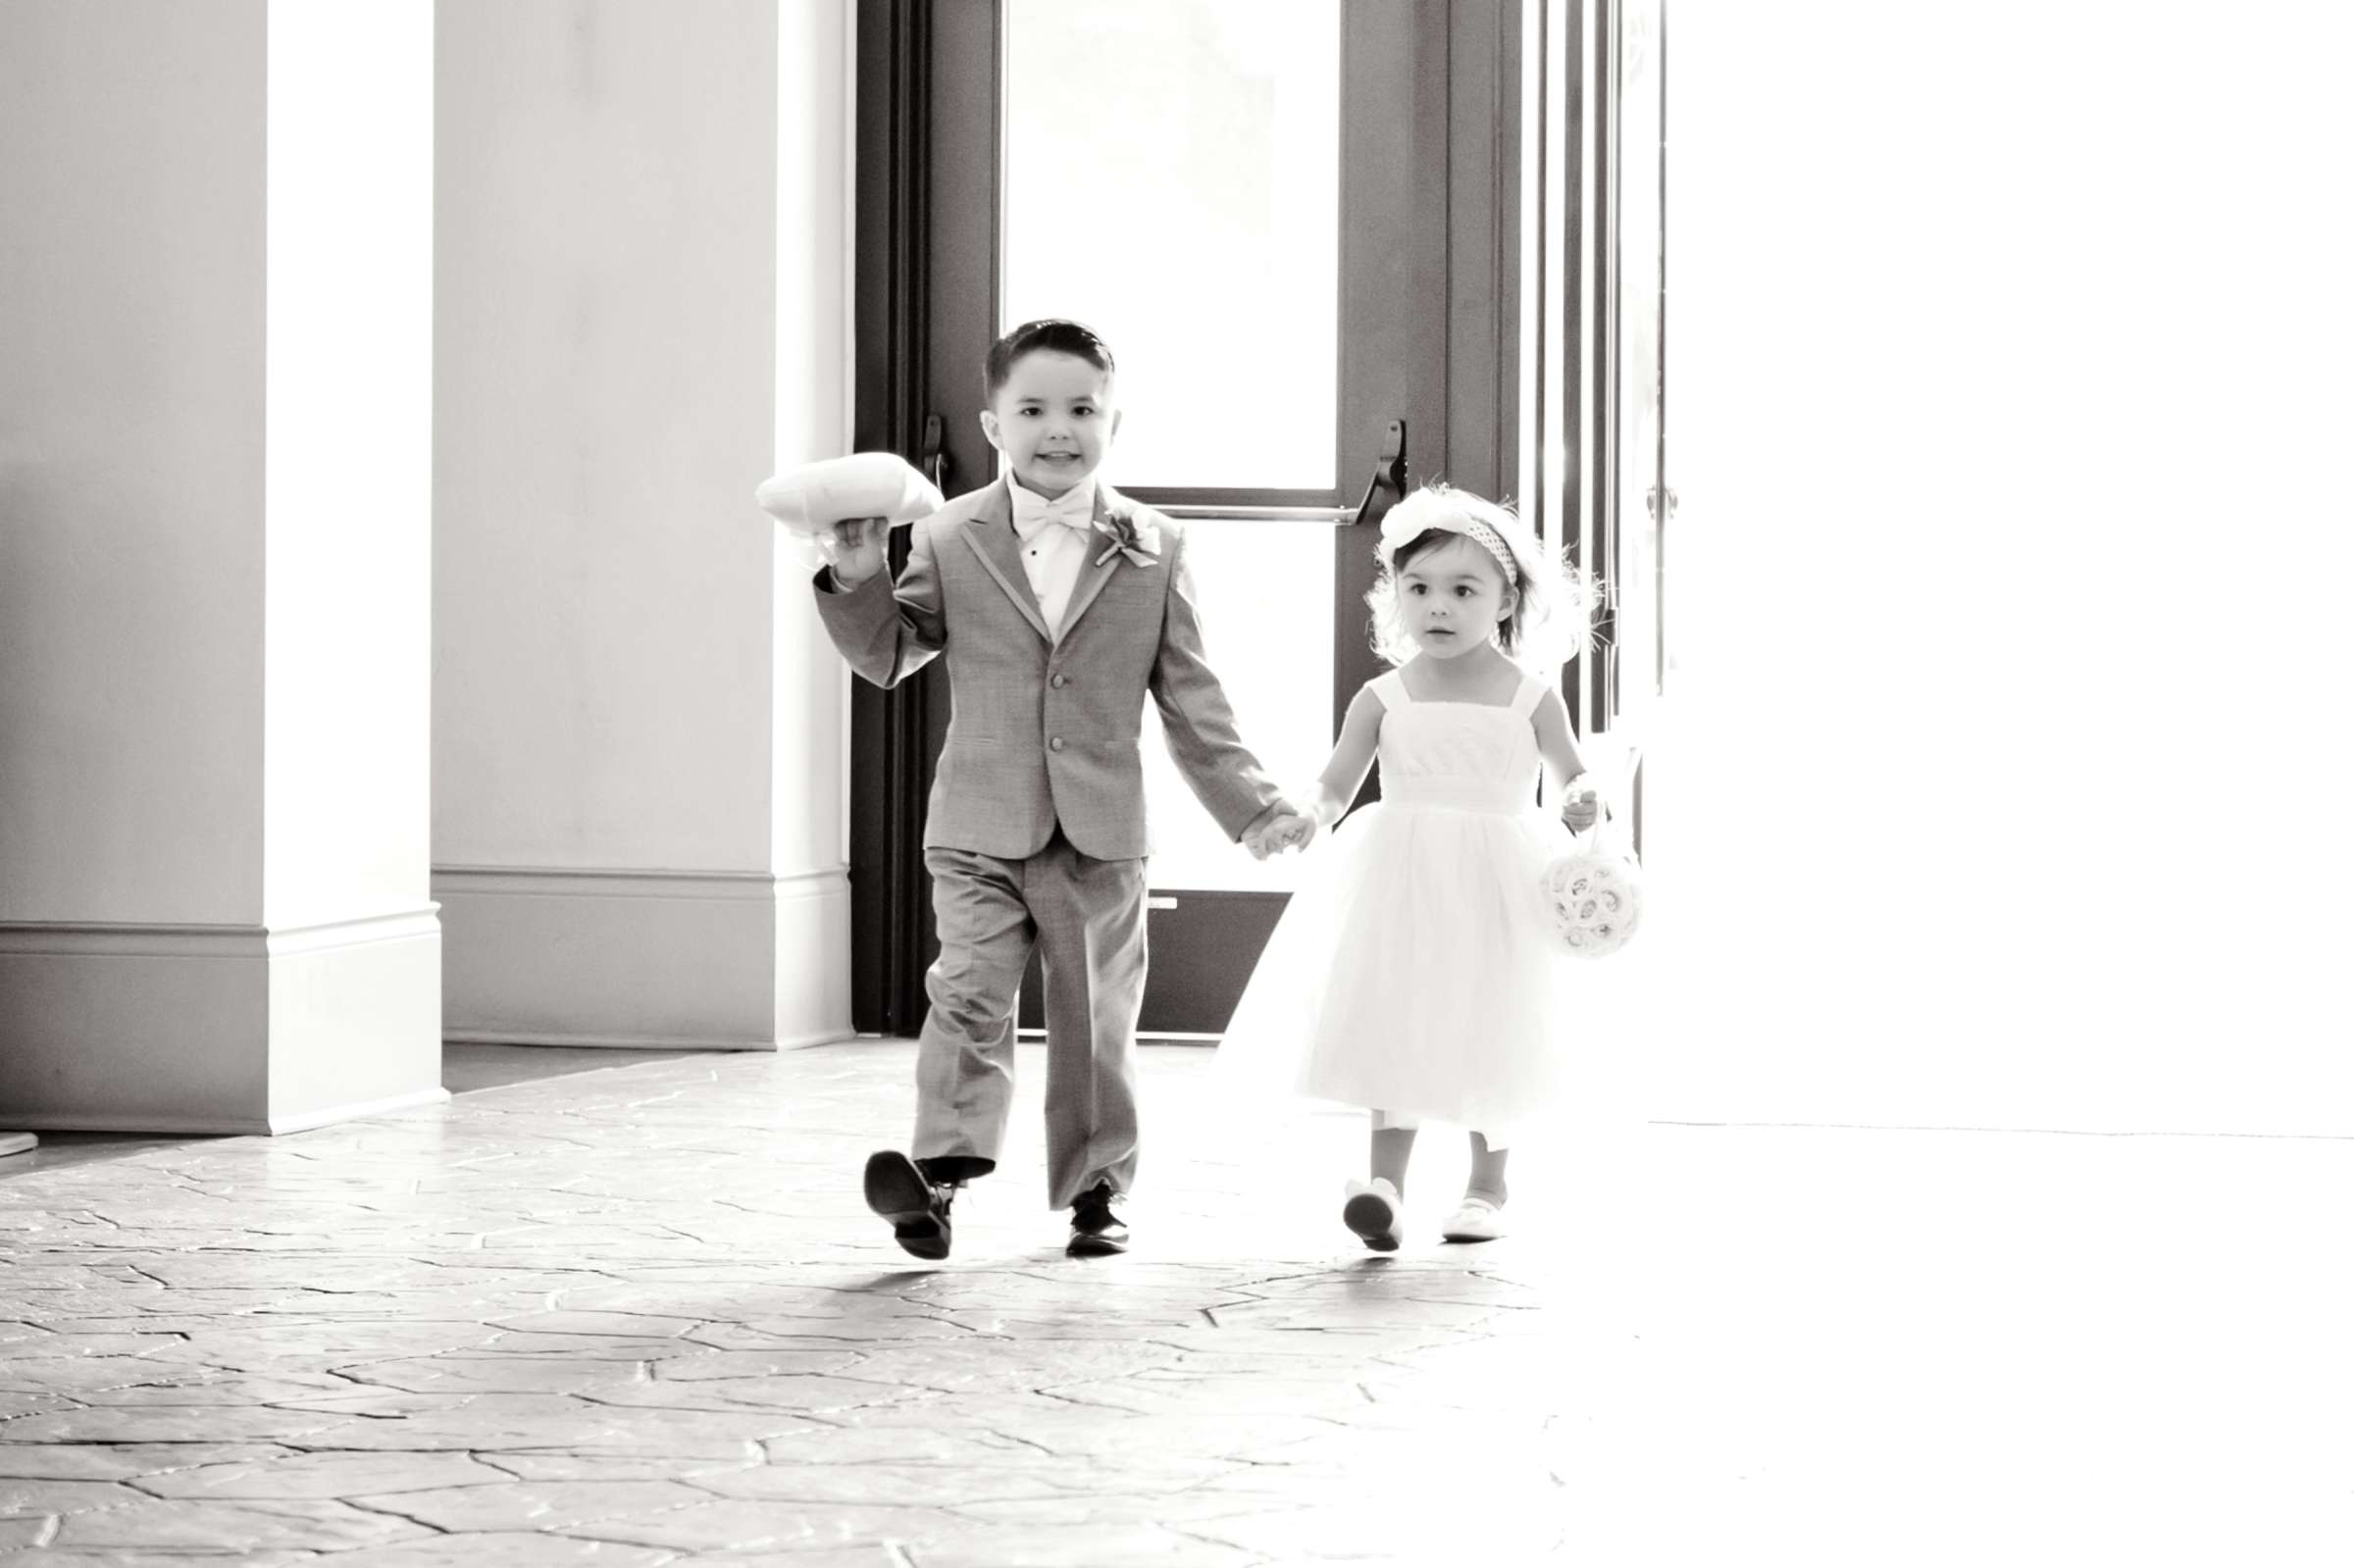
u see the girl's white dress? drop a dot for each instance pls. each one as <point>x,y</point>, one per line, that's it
<point>1413,972</point>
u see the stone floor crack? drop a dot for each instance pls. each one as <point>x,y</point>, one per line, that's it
<point>390,1512</point>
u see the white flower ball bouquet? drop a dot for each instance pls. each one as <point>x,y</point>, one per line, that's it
<point>1593,894</point>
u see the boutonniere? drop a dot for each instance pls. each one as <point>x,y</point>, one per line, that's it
<point>1141,543</point>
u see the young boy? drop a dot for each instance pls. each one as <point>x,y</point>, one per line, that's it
<point>1060,604</point>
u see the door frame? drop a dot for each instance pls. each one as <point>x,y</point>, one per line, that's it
<point>1575,291</point>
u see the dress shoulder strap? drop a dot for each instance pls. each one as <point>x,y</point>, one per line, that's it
<point>1390,689</point>
<point>1524,700</point>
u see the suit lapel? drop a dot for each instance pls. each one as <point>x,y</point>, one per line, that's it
<point>991,535</point>
<point>1099,566</point>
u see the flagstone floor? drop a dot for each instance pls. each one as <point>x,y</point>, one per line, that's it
<point>614,1308</point>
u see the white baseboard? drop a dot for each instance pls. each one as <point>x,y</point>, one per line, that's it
<point>179,1027</point>
<point>233,1125</point>
<point>821,1036</point>
<point>355,1020</point>
<point>649,1042</point>
<point>644,959</point>
<point>161,1123</point>
<point>618,1042</point>
<point>391,1104</point>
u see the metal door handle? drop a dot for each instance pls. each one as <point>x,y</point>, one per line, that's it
<point>1387,487</point>
<point>934,460</point>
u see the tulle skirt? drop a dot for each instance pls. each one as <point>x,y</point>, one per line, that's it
<point>1415,973</point>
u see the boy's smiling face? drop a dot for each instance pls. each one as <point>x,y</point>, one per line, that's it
<point>1054,420</point>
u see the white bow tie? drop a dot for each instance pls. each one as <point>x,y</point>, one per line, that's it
<point>1074,509</point>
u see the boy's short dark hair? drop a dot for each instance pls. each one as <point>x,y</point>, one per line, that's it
<point>1049,335</point>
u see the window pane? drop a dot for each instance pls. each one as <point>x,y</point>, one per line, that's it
<point>1271,644</point>
<point>1172,178</point>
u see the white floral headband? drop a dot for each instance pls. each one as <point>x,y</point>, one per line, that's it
<point>1488,538</point>
<point>1438,508</point>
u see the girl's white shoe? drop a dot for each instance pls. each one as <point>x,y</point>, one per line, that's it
<point>1478,1220</point>
<point>1372,1211</point>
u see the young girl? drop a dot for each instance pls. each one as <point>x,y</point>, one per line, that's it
<point>1416,976</point>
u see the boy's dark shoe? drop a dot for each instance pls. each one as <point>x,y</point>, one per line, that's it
<point>1097,1232</point>
<point>917,1209</point>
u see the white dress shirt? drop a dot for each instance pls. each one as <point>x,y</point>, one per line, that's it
<point>1055,538</point>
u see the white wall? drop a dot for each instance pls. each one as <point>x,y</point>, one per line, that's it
<point>132,240</point>
<point>603,393</point>
<point>642,273</point>
<point>2006,393</point>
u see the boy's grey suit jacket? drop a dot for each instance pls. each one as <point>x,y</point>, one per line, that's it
<point>1046,729</point>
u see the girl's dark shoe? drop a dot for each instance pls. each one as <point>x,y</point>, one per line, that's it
<point>1095,1231</point>
<point>917,1209</point>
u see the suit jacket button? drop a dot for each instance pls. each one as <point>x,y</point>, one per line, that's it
<point>1062,680</point>
<point>1054,744</point>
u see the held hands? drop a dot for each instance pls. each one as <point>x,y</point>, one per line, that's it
<point>853,548</point>
<point>1287,829</point>
<point>1581,811</point>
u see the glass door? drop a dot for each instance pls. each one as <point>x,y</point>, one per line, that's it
<point>1170,175</point>
<point>1261,204</point>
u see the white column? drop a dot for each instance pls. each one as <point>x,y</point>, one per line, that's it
<point>215,457</point>
<point>641,219</point>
